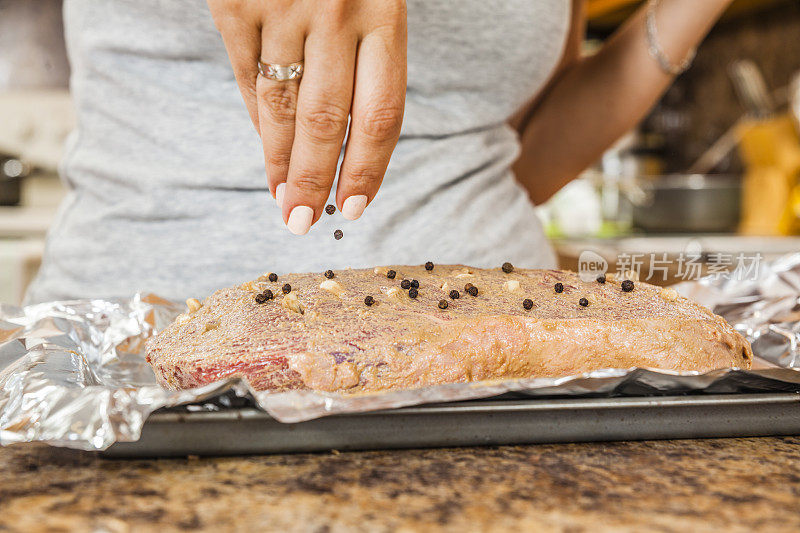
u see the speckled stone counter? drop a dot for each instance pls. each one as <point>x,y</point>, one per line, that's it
<point>702,485</point>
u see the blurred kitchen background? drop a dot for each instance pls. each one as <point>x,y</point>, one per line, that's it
<point>714,169</point>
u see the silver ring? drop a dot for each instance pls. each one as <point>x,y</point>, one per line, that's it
<point>273,71</point>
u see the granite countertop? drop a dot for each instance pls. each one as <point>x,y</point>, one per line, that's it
<point>689,485</point>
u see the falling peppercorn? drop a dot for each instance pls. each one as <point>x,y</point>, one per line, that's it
<point>286,289</point>
<point>442,304</point>
<point>455,295</point>
<point>405,284</point>
<point>559,288</point>
<point>414,284</point>
<point>391,274</point>
<point>330,209</point>
<point>268,294</point>
<point>329,274</point>
<point>627,286</point>
<point>273,277</point>
<point>584,302</point>
<point>412,292</point>
<point>508,268</point>
<point>473,290</point>
<point>338,234</point>
<point>527,303</point>
<point>260,298</point>
<point>428,266</point>
<point>369,300</point>
<point>601,279</point>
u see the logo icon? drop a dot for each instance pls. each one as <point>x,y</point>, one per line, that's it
<point>591,265</point>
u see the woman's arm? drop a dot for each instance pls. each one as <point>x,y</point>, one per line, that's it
<point>594,101</point>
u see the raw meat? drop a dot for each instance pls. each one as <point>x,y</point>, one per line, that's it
<point>322,335</point>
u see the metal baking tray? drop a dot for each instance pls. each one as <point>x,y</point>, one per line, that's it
<point>248,430</point>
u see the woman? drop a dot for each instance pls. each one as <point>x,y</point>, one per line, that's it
<point>167,172</point>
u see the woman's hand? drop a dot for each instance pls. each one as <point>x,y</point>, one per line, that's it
<point>355,64</point>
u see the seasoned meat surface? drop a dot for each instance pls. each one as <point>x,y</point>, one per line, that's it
<point>323,335</point>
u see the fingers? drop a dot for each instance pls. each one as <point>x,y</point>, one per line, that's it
<point>376,118</point>
<point>277,104</point>
<point>242,38</point>
<point>303,124</point>
<point>323,106</point>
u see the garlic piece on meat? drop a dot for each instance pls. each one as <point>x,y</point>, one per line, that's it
<point>381,270</point>
<point>511,285</point>
<point>462,273</point>
<point>332,287</point>
<point>291,303</point>
<point>210,325</point>
<point>392,292</point>
<point>182,319</point>
<point>193,304</point>
<point>445,287</point>
<point>669,294</point>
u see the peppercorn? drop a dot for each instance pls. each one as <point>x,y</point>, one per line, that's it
<point>330,209</point>
<point>405,284</point>
<point>467,287</point>
<point>268,294</point>
<point>527,303</point>
<point>559,287</point>
<point>412,292</point>
<point>391,274</point>
<point>329,274</point>
<point>627,285</point>
<point>473,290</point>
<point>442,304</point>
<point>428,266</point>
<point>455,295</point>
<point>273,277</point>
<point>584,302</point>
<point>286,289</point>
<point>508,268</point>
<point>601,279</point>
<point>415,284</point>
<point>369,300</point>
<point>338,234</point>
<point>260,298</point>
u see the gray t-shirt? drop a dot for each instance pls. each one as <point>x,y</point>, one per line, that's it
<point>166,176</point>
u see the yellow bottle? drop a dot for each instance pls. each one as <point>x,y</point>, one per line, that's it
<point>770,150</point>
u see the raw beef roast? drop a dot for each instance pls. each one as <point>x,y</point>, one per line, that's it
<point>411,326</point>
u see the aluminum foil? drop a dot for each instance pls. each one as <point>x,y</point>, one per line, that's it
<point>74,374</point>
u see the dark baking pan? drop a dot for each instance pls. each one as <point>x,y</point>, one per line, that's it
<point>251,431</point>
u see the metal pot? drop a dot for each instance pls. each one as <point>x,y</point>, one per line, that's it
<point>681,203</point>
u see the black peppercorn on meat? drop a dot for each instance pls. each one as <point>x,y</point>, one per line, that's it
<point>322,336</point>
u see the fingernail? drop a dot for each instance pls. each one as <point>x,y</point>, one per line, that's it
<point>279,190</point>
<point>353,206</point>
<point>300,220</point>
